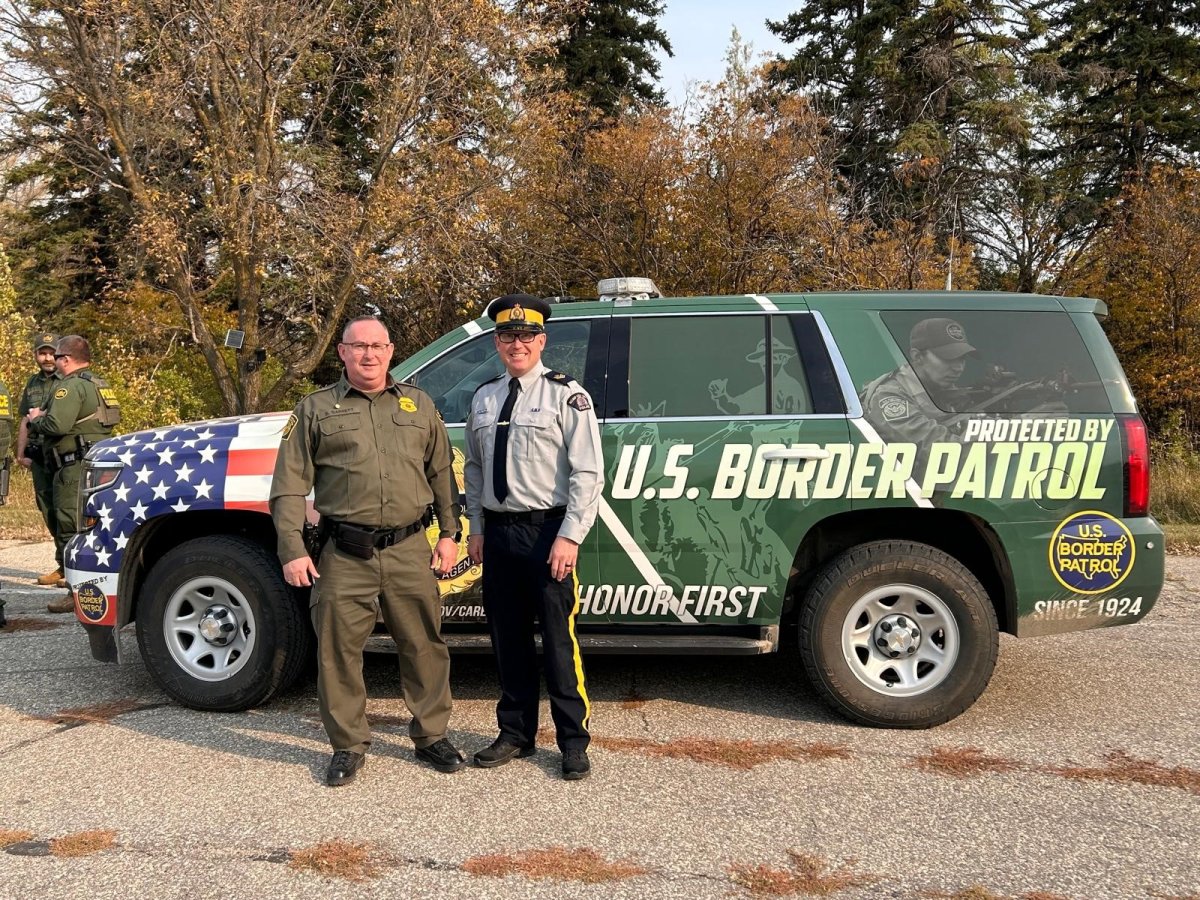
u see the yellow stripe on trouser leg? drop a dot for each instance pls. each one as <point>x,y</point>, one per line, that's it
<point>587,706</point>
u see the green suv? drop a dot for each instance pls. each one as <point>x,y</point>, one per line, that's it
<point>888,478</point>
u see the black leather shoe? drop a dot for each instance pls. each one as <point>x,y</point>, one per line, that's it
<point>575,765</point>
<point>442,756</point>
<point>501,752</point>
<point>343,767</point>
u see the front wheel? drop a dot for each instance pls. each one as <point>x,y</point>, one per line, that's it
<point>218,628</point>
<point>898,634</point>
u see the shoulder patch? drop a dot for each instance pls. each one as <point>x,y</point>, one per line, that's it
<point>291,424</point>
<point>893,408</point>
<point>579,401</point>
<point>60,393</point>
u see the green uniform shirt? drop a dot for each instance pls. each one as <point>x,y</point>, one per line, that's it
<point>6,420</point>
<point>71,413</point>
<point>901,410</point>
<point>374,462</point>
<point>38,390</point>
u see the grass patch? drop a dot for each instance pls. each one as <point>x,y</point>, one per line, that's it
<point>335,859</point>
<point>559,863</point>
<point>24,623</point>
<point>744,754</point>
<point>10,836</point>
<point>1183,538</point>
<point>962,762</point>
<point>806,874</point>
<point>83,843</point>
<point>97,713</point>
<point>1125,769</point>
<point>21,520</point>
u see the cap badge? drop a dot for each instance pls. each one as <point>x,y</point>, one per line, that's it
<point>516,314</point>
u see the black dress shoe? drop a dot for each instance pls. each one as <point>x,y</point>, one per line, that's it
<point>575,765</point>
<point>501,752</point>
<point>343,767</point>
<point>442,756</point>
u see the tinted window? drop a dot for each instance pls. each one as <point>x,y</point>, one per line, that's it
<point>714,366</point>
<point>452,378</point>
<point>1000,362</point>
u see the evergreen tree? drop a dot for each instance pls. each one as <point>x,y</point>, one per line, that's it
<point>606,53</point>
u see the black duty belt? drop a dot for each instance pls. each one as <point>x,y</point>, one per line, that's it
<point>379,537</point>
<point>527,517</point>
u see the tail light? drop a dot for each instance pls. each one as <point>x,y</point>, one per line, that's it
<point>1137,465</point>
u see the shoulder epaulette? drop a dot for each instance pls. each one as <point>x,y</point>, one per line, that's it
<point>489,381</point>
<point>559,377</point>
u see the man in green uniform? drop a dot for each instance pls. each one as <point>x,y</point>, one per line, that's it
<point>918,403</point>
<point>30,453</point>
<point>375,454</point>
<point>5,439</point>
<point>81,411</point>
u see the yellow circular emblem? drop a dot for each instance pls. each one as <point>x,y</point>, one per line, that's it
<point>60,393</point>
<point>407,404</point>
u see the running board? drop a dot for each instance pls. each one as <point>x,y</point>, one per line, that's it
<point>633,644</point>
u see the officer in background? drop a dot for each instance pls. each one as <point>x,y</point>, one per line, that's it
<point>534,472</point>
<point>81,411</point>
<point>376,455</point>
<point>37,393</point>
<point>918,403</point>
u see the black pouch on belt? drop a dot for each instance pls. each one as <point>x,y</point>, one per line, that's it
<point>356,541</point>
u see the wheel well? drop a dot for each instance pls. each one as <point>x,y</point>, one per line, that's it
<point>961,535</point>
<point>160,535</point>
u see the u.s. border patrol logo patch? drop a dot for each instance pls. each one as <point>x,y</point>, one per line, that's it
<point>291,423</point>
<point>407,404</point>
<point>60,393</point>
<point>893,408</point>
<point>580,402</point>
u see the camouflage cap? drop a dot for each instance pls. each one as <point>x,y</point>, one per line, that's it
<point>44,339</point>
<point>945,337</point>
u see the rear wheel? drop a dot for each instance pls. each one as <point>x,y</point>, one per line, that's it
<point>898,634</point>
<point>218,628</point>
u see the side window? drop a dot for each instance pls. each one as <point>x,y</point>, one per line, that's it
<point>452,378</point>
<point>716,366</point>
<point>997,362</point>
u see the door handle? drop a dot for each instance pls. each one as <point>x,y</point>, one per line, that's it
<point>804,451</point>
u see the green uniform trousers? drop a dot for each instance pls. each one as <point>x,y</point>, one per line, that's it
<point>66,507</point>
<point>43,492</point>
<point>344,613</point>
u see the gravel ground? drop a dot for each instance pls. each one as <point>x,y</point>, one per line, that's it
<point>203,805</point>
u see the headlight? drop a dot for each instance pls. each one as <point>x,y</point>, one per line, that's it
<point>97,475</point>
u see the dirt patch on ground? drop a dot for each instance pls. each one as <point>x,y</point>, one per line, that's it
<point>559,863</point>
<point>10,836</point>
<point>1122,768</point>
<point>25,623</point>
<point>963,762</point>
<point>743,754</point>
<point>97,713</point>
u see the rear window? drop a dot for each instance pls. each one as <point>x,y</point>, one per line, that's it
<point>1006,363</point>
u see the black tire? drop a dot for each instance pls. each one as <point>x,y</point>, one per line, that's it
<point>907,595</point>
<point>194,590</point>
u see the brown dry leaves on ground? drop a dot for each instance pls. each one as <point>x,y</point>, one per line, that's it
<point>963,762</point>
<point>10,836</point>
<point>979,892</point>
<point>807,874</point>
<point>1127,769</point>
<point>24,623</point>
<point>96,713</point>
<point>559,863</point>
<point>744,754</point>
<point>83,843</point>
<point>336,859</point>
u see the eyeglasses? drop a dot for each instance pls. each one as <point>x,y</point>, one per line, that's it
<point>360,347</point>
<point>58,356</point>
<point>507,337</point>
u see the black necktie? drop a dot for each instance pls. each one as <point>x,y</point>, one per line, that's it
<point>500,457</point>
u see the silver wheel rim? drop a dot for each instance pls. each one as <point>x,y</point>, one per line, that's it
<point>902,616</point>
<point>189,616</point>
